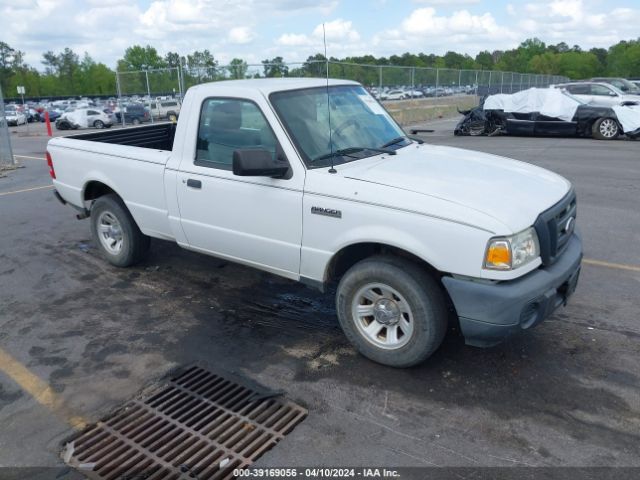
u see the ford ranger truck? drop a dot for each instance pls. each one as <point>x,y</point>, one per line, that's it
<point>314,181</point>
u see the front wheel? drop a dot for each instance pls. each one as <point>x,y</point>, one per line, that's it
<point>605,129</point>
<point>391,310</point>
<point>135,121</point>
<point>116,232</point>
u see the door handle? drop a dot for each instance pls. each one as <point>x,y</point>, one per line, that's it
<point>194,183</point>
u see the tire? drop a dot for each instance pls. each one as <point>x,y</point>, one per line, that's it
<point>404,297</point>
<point>135,121</point>
<point>123,244</point>
<point>172,117</point>
<point>98,124</point>
<point>605,129</point>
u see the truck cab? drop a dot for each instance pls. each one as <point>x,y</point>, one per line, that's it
<point>314,181</point>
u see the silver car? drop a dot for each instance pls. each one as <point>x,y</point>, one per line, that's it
<point>599,94</point>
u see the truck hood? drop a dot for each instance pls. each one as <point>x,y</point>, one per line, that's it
<point>512,192</point>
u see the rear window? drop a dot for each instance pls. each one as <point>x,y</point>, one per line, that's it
<point>578,89</point>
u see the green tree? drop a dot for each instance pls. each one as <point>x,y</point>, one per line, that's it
<point>623,59</point>
<point>137,57</point>
<point>578,65</point>
<point>173,59</point>
<point>9,59</point>
<point>484,60</point>
<point>237,68</point>
<point>275,67</point>
<point>547,63</point>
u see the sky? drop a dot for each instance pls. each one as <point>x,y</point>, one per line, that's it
<point>258,29</point>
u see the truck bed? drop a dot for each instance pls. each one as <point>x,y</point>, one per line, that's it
<point>130,161</point>
<point>158,136</point>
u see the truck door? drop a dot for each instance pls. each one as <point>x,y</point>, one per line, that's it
<point>252,220</point>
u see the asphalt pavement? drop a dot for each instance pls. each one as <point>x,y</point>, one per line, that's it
<point>79,338</point>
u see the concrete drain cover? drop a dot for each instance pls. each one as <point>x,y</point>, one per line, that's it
<point>200,425</point>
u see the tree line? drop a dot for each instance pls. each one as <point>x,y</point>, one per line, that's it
<point>67,73</point>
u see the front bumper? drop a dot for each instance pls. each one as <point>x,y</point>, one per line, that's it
<point>488,313</point>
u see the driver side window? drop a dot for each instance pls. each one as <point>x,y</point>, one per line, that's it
<point>600,90</point>
<point>229,124</point>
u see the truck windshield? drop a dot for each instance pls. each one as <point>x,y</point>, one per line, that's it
<point>360,126</point>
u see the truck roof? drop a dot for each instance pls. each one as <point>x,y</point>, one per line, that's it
<point>269,85</point>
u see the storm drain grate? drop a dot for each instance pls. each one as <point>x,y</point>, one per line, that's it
<point>201,426</point>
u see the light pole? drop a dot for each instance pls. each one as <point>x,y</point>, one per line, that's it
<point>146,74</point>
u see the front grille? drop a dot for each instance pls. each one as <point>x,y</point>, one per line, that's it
<point>554,228</point>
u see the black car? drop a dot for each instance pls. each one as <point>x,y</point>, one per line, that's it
<point>588,121</point>
<point>134,114</point>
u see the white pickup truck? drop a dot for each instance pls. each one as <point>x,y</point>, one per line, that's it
<point>317,183</point>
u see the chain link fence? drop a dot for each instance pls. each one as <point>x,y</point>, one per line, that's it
<point>6,153</point>
<point>428,92</point>
<point>176,80</point>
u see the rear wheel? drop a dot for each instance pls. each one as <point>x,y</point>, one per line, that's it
<point>116,232</point>
<point>98,124</point>
<point>391,310</point>
<point>136,121</point>
<point>605,129</point>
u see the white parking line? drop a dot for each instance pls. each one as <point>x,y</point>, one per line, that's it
<point>2,194</point>
<point>617,266</point>
<point>30,158</point>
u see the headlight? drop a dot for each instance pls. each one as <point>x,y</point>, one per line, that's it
<point>509,253</point>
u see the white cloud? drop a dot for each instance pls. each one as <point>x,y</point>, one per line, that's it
<point>338,29</point>
<point>294,40</point>
<point>240,35</point>
<point>447,3</point>
<point>257,29</point>
<point>342,39</point>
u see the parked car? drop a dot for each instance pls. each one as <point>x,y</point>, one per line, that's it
<point>134,113</point>
<point>393,95</point>
<point>169,109</point>
<point>54,114</point>
<point>548,112</point>
<point>30,113</point>
<point>622,84</point>
<point>414,93</point>
<point>409,233</point>
<point>84,118</point>
<point>599,94</point>
<point>14,117</point>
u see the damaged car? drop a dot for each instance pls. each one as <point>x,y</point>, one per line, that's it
<point>548,112</point>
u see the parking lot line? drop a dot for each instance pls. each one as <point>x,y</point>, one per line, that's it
<point>2,194</point>
<point>618,266</point>
<point>29,157</point>
<point>38,389</point>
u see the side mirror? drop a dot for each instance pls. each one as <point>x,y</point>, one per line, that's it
<point>259,163</point>
<point>613,94</point>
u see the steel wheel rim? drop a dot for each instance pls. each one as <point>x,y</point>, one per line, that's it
<point>382,316</point>
<point>110,233</point>
<point>608,128</point>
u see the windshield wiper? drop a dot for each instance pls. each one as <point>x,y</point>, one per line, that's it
<point>347,152</point>
<point>399,139</point>
<point>393,142</point>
